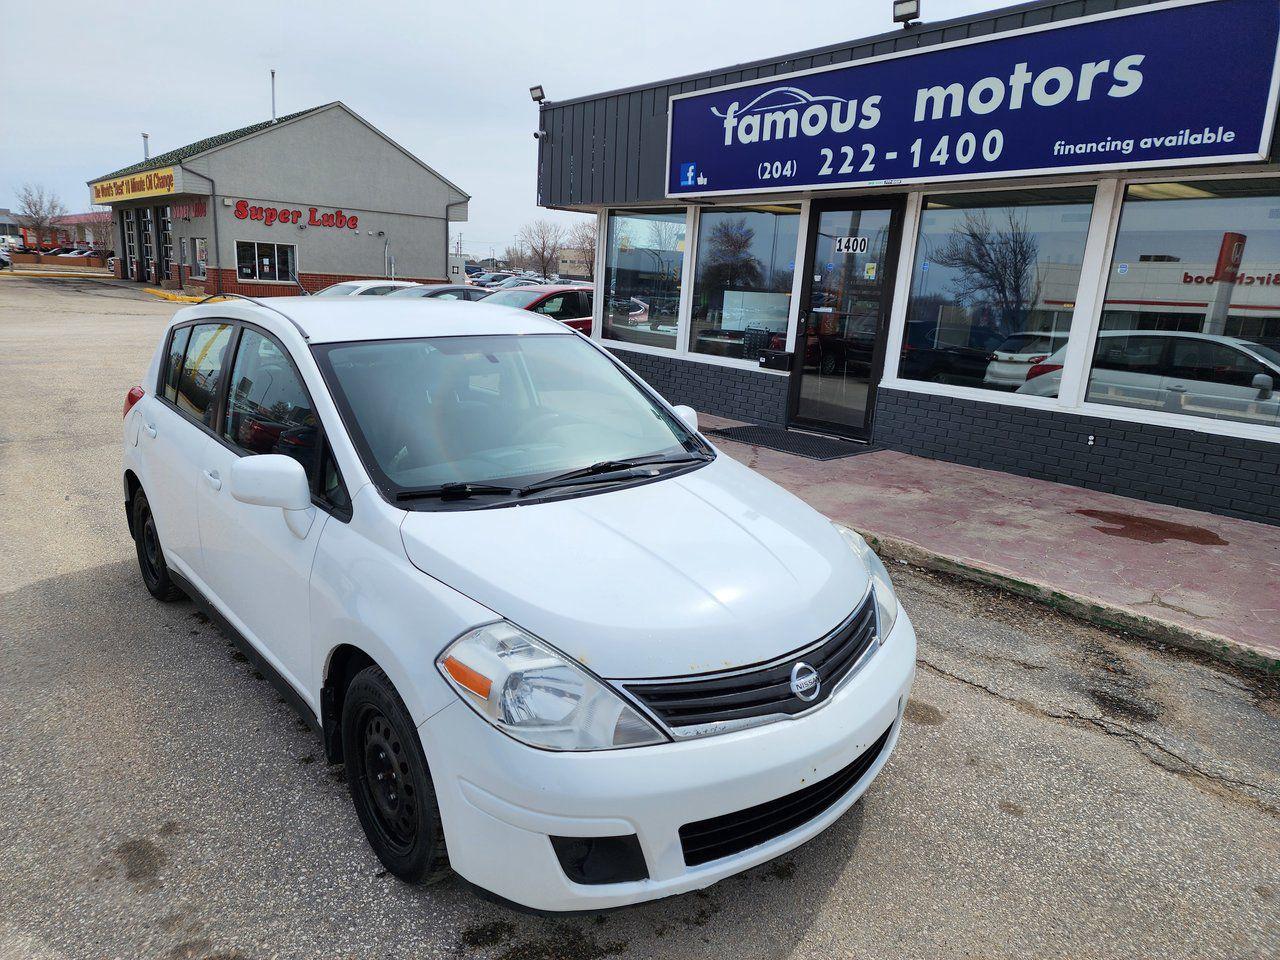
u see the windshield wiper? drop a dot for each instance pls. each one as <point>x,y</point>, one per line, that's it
<point>456,491</point>
<point>610,470</point>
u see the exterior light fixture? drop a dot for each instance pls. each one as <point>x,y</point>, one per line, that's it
<point>537,93</point>
<point>905,11</point>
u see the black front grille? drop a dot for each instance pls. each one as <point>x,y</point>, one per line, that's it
<point>732,833</point>
<point>766,690</point>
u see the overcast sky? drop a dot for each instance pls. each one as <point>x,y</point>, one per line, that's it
<point>448,81</point>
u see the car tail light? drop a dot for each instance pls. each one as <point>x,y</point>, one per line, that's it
<point>1040,369</point>
<point>133,396</point>
<point>1040,359</point>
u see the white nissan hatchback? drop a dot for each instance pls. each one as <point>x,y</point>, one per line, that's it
<point>541,621</point>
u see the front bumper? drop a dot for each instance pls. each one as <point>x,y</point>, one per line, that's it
<point>501,800</point>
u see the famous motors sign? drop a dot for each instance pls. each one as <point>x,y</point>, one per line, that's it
<point>1192,81</point>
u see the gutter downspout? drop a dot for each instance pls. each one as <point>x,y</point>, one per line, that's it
<point>213,213</point>
<point>447,208</point>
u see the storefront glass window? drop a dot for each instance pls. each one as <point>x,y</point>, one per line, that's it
<point>199,256</point>
<point>745,263</point>
<point>265,261</point>
<point>1191,319</point>
<point>993,287</point>
<point>643,264</point>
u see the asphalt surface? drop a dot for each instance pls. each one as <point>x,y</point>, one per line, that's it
<point>1059,791</point>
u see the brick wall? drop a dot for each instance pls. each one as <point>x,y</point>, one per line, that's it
<point>1186,468</point>
<point>724,391</point>
<point>311,281</point>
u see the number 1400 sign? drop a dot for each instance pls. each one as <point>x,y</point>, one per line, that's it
<point>851,244</point>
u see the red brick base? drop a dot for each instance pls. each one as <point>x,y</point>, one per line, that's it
<point>310,281</point>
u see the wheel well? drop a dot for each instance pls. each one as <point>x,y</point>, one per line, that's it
<point>344,663</point>
<point>131,486</point>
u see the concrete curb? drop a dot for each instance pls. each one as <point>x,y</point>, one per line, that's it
<point>56,275</point>
<point>1089,609</point>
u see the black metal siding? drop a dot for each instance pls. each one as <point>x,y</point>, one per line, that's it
<point>611,149</point>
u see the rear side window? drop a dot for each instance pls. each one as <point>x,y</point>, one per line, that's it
<point>198,385</point>
<point>269,410</point>
<point>173,362</point>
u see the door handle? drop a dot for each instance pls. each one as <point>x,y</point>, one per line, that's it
<point>151,430</point>
<point>215,481</point>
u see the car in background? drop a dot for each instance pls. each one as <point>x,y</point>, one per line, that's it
<point>472,270</point>
<point>363,288</point>
<point>1202,374</point>
<point>942,353</point>
<point>491,279</point>
<point>1017,355</point>
<point>510,282</point>
<point>6,261</point>
<point>568,304</point>
<point>441,291</point>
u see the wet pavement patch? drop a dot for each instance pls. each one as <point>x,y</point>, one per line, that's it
<point>1150,530</point>
<point>1130,707</point>
<point>483,935</point>
<point>568,944</point>
<point>141,860</point>
<point>924,714</point>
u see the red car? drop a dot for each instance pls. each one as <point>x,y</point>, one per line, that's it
<point>569,304</point>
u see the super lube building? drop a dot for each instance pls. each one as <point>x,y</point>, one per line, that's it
<point>1043,239</point>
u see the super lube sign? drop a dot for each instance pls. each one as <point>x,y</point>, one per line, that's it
<point>1186,82</point>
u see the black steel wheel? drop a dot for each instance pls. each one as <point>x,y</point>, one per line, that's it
<point>155,572</point>
<point>389,780</point>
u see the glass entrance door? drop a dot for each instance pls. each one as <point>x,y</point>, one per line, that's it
<point>844,315</point>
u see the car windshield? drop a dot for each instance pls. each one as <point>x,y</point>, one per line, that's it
<point>1032,343</point>
<point>512,298</point>
<point>502,410</point>
<point>1270,354</point>
<point>412,291</point>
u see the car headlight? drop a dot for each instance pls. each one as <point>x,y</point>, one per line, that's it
<point>539,696</point>
<point>881,585</point>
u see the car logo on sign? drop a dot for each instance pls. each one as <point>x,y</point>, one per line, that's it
<point>805,682</point>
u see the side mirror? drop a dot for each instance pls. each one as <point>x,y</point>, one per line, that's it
<point>271,480</point>
<point>688,416</point>
<point>1263,383</point>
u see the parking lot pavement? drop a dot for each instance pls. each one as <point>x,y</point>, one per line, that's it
<point>1059,791</point>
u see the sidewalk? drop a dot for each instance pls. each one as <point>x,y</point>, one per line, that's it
<point>1166,573</point>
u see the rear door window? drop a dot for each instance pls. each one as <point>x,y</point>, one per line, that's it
<point>197,387</point>
<point>173,362</point>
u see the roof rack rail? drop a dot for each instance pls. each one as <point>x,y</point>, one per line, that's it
<point>266,306</point>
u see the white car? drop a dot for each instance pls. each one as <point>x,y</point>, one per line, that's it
<point>363,288</point>
<point>1010,361</point>
<point>542,622</point>
<point>1200,374</point>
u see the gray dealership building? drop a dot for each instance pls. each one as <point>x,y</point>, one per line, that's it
<point>307,200</point>
<point>1043,239</point>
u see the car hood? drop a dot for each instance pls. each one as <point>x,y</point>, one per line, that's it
<point>713,569</point>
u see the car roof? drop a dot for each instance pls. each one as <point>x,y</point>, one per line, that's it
<point>548,287</point>
<point>339,319</point>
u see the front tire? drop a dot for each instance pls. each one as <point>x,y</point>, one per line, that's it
<point>389,780</point>
<point>155,572</point>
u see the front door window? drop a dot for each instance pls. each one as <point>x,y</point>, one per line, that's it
<point>842,316</point>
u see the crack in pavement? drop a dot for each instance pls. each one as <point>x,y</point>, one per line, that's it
<point>1166,759</point>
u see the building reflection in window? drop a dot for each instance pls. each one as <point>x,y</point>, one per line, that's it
<point>993,285</point>
<point>1191,319</point>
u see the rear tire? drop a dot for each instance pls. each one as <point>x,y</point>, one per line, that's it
<point>155,572</point>
<point>389,780</point>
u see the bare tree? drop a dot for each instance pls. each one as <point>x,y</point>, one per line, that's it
<point>515,257</point>
<point>996,267</point>
<point>583,237</point>
<point>101,229</point>
<point>39,210</point>
<point>543,240</point>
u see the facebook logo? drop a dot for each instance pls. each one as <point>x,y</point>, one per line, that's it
<point>688,174</point>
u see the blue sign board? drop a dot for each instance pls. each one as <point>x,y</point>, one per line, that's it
<point>1191,81</point>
